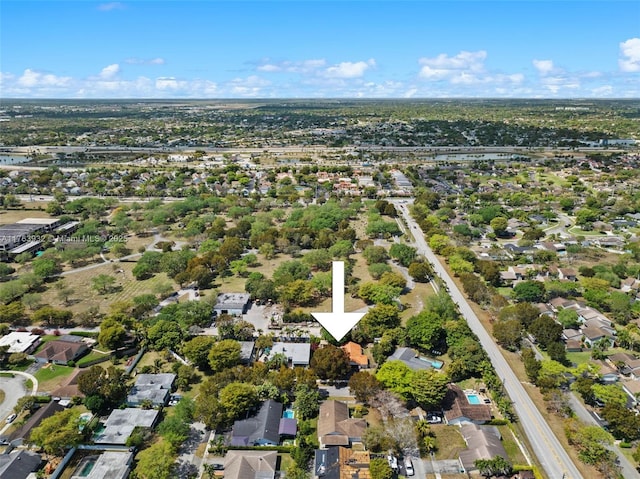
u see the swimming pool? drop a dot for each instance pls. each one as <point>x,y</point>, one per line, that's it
<point>473,399</point>
<point>288,413</point>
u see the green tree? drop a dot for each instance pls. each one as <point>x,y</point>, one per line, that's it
<point>508,334</point>
<point>112,334</point>
<point>57,433</point>
<point>379,469</point>
<point>197,350</point>
<point>237,398</point>
<point>364,386</point>
<point>429,388</point>
<point>403,253</point>
<point>330,362</point>
<point>529,291</point>
<point>307,403</point>
<point>103,283</point>
<point>398,377</point>
<point>224,355</point>
<point>156,462</point>
<point>164,334</point>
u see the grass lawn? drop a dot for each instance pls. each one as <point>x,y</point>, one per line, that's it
<point>583,357</point>
<point>449,441</point>
<point>11,216</point>
<point>2,395</point>
<point>511,446</point>
<point>93,355</point>
<point>51,376</point>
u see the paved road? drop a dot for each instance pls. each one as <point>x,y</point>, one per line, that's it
<point>551,455</point>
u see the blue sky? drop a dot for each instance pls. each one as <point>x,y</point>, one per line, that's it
<point>320,49</point>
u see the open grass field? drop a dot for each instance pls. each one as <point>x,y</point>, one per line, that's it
<point>11,216</point>
<point>125,288</point>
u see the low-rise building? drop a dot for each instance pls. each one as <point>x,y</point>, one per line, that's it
<point>63,350</point>
<point>336,428</point>
<point>19,464</point>
<point>261,430</point>
<point>108,465</point>
<point>20,342</point>
<point>121,423</point>
<point>458,409</point>
<point>483,442</point>
<point>153,388</point>
<point>250,464</point>
<point>235,304</point>
<point>297,354</point>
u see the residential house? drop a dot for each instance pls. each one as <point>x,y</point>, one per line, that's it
<point>20,342</point>
<point>592,335</point>
<point>250,464</point>
<point>607,373</point>
<point>152,388</point>
<point>627,364</point>
<point>357,358</point>
<point>630,285</point>
<point>260,430</point>
<point>108,465</point>
<point>297,354</point>
<point>458,409</point>
<point>62,351</point>
<point>121,423</point>
<point>336,428</point>
<point>341,463</point>
<point>568,274</point>
<point>483,442</point>
<point>234,304</point>
<point>409,357</point>
<point>632,388</point>
<point>19,464</point>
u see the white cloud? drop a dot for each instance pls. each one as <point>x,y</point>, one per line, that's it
<point>109,72</point>
<point>544,67</point>
<point>142,61</point>
<point>107,7</point>
<point>443,66</point>
<point>630,55</point>
<point>350,69</point>
<point>168,83</point>
<point>34,79</point>
<point>303,67</point>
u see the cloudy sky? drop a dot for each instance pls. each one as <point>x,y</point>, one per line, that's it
<point>320,49</point>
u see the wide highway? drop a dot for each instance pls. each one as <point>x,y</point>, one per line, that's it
<point>550,453</point>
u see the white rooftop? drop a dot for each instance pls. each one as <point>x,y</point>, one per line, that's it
<point>19,342</point>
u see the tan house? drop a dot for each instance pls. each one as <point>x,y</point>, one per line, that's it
<point>61,351</point>
<point>250,464</point>
<point>458,408</point>
<point>336,428</point>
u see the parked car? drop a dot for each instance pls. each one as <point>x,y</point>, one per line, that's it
<point>408,466</point>
<point>11,418</point>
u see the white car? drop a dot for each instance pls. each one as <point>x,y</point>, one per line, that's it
<point>11,418</point>
<point>408,466</point>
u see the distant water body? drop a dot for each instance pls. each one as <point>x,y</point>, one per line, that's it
<point>12,160</point>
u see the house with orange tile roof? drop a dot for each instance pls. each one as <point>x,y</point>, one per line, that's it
<point>356,355</point>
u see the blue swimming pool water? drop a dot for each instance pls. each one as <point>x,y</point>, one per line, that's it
<point>288,413</point>
<point>473,399</point>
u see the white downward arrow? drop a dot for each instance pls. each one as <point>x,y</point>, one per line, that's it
<point>338,323</point>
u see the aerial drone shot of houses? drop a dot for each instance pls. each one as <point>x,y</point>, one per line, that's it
<point>265,289</point>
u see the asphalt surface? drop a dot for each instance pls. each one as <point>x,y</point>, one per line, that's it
<point>552,457</point>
